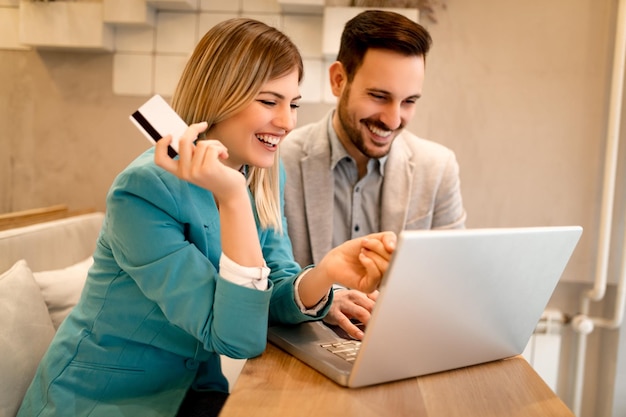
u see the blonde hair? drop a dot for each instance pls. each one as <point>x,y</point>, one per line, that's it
<point>226,71</point>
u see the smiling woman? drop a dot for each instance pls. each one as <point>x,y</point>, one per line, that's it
<point>192,261</point>
<point>232,87</point>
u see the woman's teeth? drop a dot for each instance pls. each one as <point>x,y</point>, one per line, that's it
<point>379,132</point>
<point>268,139</point>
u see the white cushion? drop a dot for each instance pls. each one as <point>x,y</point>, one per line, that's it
<point>26,333</point>
<point>61,288</point>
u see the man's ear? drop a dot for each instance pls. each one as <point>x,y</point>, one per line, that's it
<point>338,78</point>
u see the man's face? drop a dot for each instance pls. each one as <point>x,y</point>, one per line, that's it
<point>378,103</point>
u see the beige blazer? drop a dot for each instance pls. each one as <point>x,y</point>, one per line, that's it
<point>421,188</point>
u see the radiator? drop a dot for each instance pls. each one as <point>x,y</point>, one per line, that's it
<point>544,347</point>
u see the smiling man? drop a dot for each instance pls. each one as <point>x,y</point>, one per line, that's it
<point>357,170</point>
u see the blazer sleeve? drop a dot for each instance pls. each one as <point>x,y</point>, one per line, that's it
<point>148,222</point>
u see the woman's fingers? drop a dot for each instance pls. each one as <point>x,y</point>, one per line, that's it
<point>186,148</point>
<point>207,155</point>
<point>193,159</point>
<point>380,262</point>
<point>389,240</point>
<point>161,157</point>
<point>195,167</point>
<point>371,279</point>
<point>382,244</point>
<point>375,254</point>
<point>201,163</point>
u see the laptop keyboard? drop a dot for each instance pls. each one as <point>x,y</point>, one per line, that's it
<point>345,349</point>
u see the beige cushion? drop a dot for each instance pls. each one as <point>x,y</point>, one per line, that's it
<point>61,288</point>
<point>26,333</point>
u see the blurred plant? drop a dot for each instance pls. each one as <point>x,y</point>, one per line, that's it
<point>425,7</point>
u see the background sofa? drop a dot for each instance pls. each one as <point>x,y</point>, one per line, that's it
<point>42,273</point>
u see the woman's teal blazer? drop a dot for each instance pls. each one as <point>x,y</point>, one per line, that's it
<point>155,314</point>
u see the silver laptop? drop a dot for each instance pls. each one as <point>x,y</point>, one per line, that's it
<point>449,299</point>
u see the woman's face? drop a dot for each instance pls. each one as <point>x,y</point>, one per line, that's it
<point>252,136</point>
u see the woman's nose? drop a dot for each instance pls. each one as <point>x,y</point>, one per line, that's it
<point>286,118</point>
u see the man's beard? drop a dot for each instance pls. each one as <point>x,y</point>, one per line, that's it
<point>353,132</point>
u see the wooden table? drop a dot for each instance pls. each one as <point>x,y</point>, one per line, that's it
<point>276,384</point>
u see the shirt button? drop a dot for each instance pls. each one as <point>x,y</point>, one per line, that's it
<point>356,228</point>
<point>192,364</point>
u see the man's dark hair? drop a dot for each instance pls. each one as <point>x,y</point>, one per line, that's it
<point>378,29</point>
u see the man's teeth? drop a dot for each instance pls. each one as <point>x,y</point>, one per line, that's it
<point>270,140</point>
<point>379,132</point>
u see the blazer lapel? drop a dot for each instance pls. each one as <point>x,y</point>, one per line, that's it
<point>396,187</point>
<point>318,194</point>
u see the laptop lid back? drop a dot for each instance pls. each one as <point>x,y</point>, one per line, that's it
<point>454,298</point>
